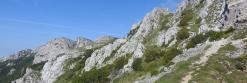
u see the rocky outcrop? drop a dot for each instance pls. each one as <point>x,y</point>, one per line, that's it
<point>30,76</point>
<point>83,42</point>
<point>98,56</point>
<point>53,49</point>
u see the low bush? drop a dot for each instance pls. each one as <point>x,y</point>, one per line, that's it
<point>183,34</point>
<point>170,53</point>
<point>165,19</point>
<point>186,16</point>
<point>240,34</point>
<point>137,64</point>
<point>96,75</point>
<point>152,53</point>
<point>240,66</point>
<point>196,40</point>
<point>38,67</point>
<point>214,36</point>
<point>241,62</point>
<point>198,20</point>
<point>120,62</point>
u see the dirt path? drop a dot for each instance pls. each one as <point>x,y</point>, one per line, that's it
<point>212,50</point>
<point>203,59</point>
<point>187,78</point>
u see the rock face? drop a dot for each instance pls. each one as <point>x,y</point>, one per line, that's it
<point>204,41</point>
<point>53,49</point>
<point>83,42</point>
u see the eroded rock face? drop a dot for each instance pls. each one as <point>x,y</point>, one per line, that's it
<point>97,58</point>
<point>150,22</point>
<point>235,13</point>
<point>53,49</point>
<point>83,42</point>
<point>54,68</point>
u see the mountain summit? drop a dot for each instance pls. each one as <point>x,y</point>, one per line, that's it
<point>203,41</point>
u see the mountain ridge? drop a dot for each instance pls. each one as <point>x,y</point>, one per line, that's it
<point>201,37</point>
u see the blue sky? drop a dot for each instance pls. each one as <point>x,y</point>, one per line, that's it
<point>30,23</point>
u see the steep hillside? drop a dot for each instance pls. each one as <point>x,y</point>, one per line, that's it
<point>204,41</point>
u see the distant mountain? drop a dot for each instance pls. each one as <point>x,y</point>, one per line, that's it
<point>203,42</point>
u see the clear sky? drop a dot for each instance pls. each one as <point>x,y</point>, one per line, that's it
<point>30,23</point>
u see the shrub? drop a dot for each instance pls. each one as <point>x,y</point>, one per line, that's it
<point>88,53</point>
<point>240,66</point>
<point>228,48</point>
<point>137,65</point>
<point>120,62</point>
<point>240,35</point>
<point>196,40</point>
<point>183,34</point>
<point>154,72</point>
<point>218,35</point>
<point>186,16</point>
<point>164,20</point>
<point>198,21</point>
<point>96,75</point>
<point>170,53</point>
<point>241,62</point>
<point>152,53</point>
<point>215,35</point>
<point>38,66</point>
<point>201,4</point>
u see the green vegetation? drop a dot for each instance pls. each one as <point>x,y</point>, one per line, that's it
<point>73,75</point>
<point>200,38</point>
<point>101,75</point>
<point>183,34</point>
<point>200,5</point>
<point>190,19</point>
<point>38,67</point>
<point>19,65</point>
<point>156,57</point>
<point>221,68</point>
<point>186,17</point>
<point>151,37</point>
<point>129,77</point>
<point>170,53</point>
<point>198,20</point>
<point>180,70</point>
<point>132,32</point>
<point>197,23</point>
<point>120,62</point>
<point>152,53</point>
<point>214,36</point>
<point>96,75</point>
<point>241,62</point>
<point>137,64</point>
<point>164,20</point>
<point>240,34</point>
<point>228,48</point>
